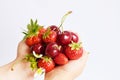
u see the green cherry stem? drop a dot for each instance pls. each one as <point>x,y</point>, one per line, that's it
<point>63,19</point>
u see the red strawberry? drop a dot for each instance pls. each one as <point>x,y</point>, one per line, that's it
<point>31,35</point>
<point>74,51</point>
<point>49,36</point>
<point>61,59</point>
<point>41,31</point>
<point>47,63</point>
<point>32,40</point>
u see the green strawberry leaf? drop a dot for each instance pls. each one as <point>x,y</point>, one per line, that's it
<point>32,29</point>
<point>33,65</point>
<point>46,34</point>
<point>33,61</point>
<point>75,46</point>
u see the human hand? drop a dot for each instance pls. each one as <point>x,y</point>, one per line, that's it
<point>19,70</point>
<point>69,71</point>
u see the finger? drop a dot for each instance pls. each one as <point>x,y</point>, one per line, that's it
<point>76,66</point>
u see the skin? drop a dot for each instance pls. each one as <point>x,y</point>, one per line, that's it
<point>20,70</point>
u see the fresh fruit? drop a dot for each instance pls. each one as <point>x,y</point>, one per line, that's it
<point>38,48</point>
<point>56,29</point>
<point>65,38</point>
<point>47,63</point>
<point>49,36</point>
<point>75,37</point>
<point>61,59</point>
<point>41,32</point>
<point>74,51</point>
<point>52,49</point>
<point>32,40</point>
<point>31,35</point>
<point>51,46</point>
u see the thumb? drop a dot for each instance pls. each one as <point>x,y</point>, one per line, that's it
<point>22,49</point>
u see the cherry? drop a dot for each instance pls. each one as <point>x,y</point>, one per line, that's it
<point>56,29</point>
<point>38,48</point>
<point>75,37</point>
<point>65,37</point>
<point>52,49</point>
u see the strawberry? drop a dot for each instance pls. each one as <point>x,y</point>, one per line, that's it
<point>74,51</point>
<point>47,63</point>
<point>31,35</point>
<point>49,36</point>
<point>32,40</point>
<point>41,32</point>
<point>61,59</point>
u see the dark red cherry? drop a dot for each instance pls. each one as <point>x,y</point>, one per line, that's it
<point>38,48</point>
<point>56,29</point>
<point>65,37</point>
<point>52,49</point>
<point>75,37</point>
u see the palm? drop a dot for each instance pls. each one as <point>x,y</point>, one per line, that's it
<point>71,70</point>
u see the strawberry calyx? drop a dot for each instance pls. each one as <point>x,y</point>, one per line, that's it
<point>33,61</point>
<point>75,46</point>
<point>39,72</point>
<point>46,58</point>
<point>32,29</point>
<point>46,34</point>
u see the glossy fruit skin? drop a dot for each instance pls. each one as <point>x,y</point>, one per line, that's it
<point>73,54</point>
<point>75,37</point>
<point>65,38</point>
<point>41,32</point>
<point>38,48</point>
<point>32,40</point>
<point>61,59</point>
<point>47,65</point>
<point>51,37</point>
<point>56,29</point>
<point>53,27</point>
<point>52,49</point>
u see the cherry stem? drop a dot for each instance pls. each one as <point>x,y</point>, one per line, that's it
<point>63,19</point>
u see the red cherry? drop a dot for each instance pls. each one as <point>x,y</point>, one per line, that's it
<point>65,37</point>
<point>38,48</point>
<point>55,28</point>
<point>52,49</point>
<point>75,37</point>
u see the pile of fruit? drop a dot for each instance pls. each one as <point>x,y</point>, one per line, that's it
<point>51,46</point>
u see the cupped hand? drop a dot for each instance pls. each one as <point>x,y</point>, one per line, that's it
<point>18,70</point>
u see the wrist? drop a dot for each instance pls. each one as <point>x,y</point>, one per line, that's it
<point>16,69</point>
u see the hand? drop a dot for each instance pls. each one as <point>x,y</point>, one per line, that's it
<point>69,71</point>
<point>18,70</point>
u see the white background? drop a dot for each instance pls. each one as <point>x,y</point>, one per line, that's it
<point>96,21</point>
